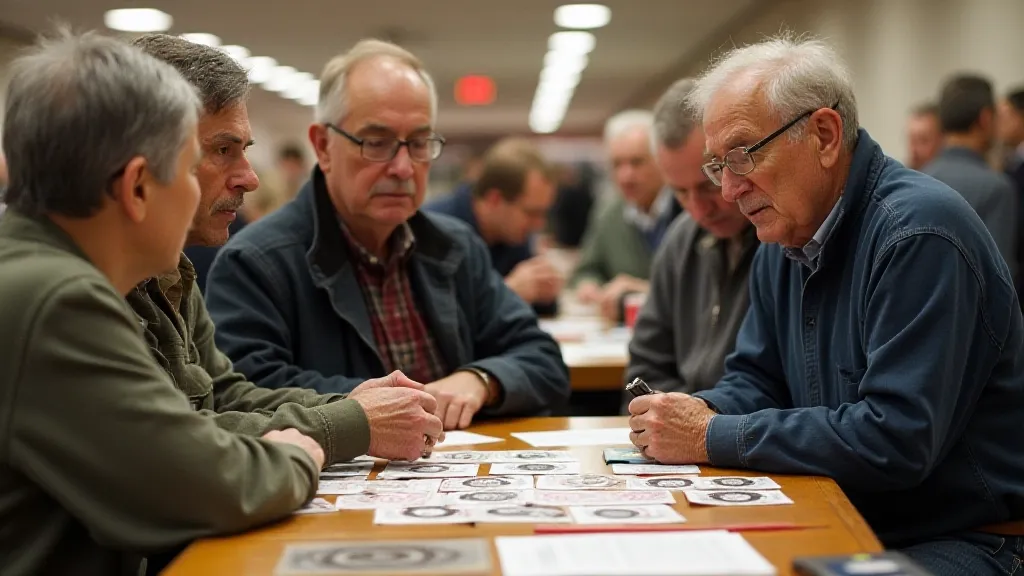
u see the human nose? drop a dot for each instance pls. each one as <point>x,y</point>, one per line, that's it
<point>733,185</point>
<point>401,165</point>
<point>245,177</point>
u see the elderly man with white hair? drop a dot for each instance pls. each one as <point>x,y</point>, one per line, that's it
<point>883,347</point>
<point>624,234</point>
<point>352,281</point>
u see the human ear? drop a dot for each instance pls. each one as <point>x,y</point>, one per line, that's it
<point>132,190</point>
<point>826,125</point>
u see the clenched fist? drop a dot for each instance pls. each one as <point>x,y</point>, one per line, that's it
<point>671,428</point>
<point>401,418</point>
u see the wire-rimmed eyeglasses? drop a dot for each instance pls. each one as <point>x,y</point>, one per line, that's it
<point>740,160</point>
<point>385,148</point>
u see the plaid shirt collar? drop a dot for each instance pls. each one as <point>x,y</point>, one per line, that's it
<point>402,243</point>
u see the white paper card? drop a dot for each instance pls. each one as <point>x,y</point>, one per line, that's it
<point>697,553</point>
<point>661,483</point>
<point>592,437</point>
<point>339,487</point>
<point>640,469</point>
<point>581,482</point>
<point>734,482</point>
<point>422,515</point>
<point>384,500</point>
<point>463,438</point>
<point>602,497</point>
<point>530,514</point>
<point>737,497</point>
<point>536,468</point>
<point>425,485</point>
<point>487,483</point>
<point>348,469</point>
<point>500,456</point>
<point>489,498</point>
<point>407,470</point>
<point>451,557</point>
<point>646,514</point>
<point>317,506</point>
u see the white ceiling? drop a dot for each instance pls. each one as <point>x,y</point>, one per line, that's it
<point>637,54</point>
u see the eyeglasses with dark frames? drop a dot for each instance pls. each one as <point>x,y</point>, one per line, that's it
<point>385,148</point>
<point>740,161</point>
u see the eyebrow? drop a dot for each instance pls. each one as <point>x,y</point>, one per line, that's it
<point>389,130</point>
<point>229,138</point>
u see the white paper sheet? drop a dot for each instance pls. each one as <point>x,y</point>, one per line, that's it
<point>463,438</point>
<point>698,553</point>
<point>591,437</point>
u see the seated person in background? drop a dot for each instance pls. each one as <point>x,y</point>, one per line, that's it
<point>350,281</point>
<point>103,459</point>
<point>508,204</point>
<point>883,346</point>
<point>1011,136</point>
<point>924,136</point>
<point>623,234</point>
<point>699,294</point>
<point>967,110</point>
<point>389,423</point>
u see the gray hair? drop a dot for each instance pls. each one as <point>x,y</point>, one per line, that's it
<point>627,121</point>
<point>794,74</point>
<point>221,81</point>
<point>78,109</point>
<point>673,118</point>
<point>333,93</point>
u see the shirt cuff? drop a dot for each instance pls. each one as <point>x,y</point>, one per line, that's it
<point>346,429</point>
<point>724,441</point>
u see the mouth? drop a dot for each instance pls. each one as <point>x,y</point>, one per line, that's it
<point>755,211</point>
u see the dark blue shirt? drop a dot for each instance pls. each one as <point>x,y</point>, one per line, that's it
<point>202,256</point>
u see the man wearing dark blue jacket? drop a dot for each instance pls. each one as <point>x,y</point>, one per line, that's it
<point>883,346</point>
<point>350,279</point>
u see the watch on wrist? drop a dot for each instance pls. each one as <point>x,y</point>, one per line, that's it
<point>490,394</point>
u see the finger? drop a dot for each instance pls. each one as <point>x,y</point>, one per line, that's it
<point>440,406</point>
<point>429,402</point>
<point>467,416</point>
<point>634,437</point>
<point>640,405</point>
<point>402,381</point>
<point>433,427</point>
<point>451,417</point>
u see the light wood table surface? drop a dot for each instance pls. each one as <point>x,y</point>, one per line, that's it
<point>837,526</point>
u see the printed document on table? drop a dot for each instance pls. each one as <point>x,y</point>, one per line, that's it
<point>698,553</point>
<point>463,438</point>
<point>592,437</point>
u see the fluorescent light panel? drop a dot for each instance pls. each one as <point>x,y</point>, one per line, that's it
<point>583,16</point>
<point>138,20</point>
<point>202,38</point>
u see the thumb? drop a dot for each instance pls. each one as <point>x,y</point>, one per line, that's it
<point>400,380</point>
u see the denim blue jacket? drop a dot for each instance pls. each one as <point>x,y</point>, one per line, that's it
<point>289,311</point>
<point>896,367</point>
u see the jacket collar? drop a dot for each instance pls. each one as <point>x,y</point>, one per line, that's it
<point>18,226</point>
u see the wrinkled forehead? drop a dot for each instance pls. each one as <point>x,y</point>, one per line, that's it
<point>735,115</point>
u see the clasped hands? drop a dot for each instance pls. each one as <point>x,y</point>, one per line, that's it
<point>670,428</point>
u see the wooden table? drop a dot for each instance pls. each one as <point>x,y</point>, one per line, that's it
<point>839,528</point>
<point>594,364</point>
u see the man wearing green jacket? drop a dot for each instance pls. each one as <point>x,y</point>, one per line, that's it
<point>102,460</point>
<point>387,417</point>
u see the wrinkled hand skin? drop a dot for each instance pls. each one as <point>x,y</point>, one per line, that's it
<point>670,428</point>
<point>401,416</point>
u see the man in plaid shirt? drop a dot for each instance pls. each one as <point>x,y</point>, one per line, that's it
<point>351,281</point>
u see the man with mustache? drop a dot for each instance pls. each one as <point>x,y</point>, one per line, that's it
<point>390,417</point>
<point>351,281</point>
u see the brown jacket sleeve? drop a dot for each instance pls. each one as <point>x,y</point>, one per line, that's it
<point>102,429</point>
<point>338,424</point>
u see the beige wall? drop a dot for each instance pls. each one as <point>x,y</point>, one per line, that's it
<point>899,51</point>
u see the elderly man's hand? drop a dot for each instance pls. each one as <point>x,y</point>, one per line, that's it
<point>459,397</point>
<point>401,417</point>
<point>613,292</point>
<point>671,428</point>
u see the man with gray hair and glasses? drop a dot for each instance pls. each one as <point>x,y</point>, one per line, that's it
<point>883,345</point>
<point>386,417</point>
<point>102,459</point>
<point>698,294</point>
<point>351,281</point>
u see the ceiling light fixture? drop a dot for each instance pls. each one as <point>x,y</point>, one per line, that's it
<point>137,20</point>
<point>572,41</point>
<point>260,68</point>
<point>202,38</point>
<point>280,79</point>
<point>583,16</point>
